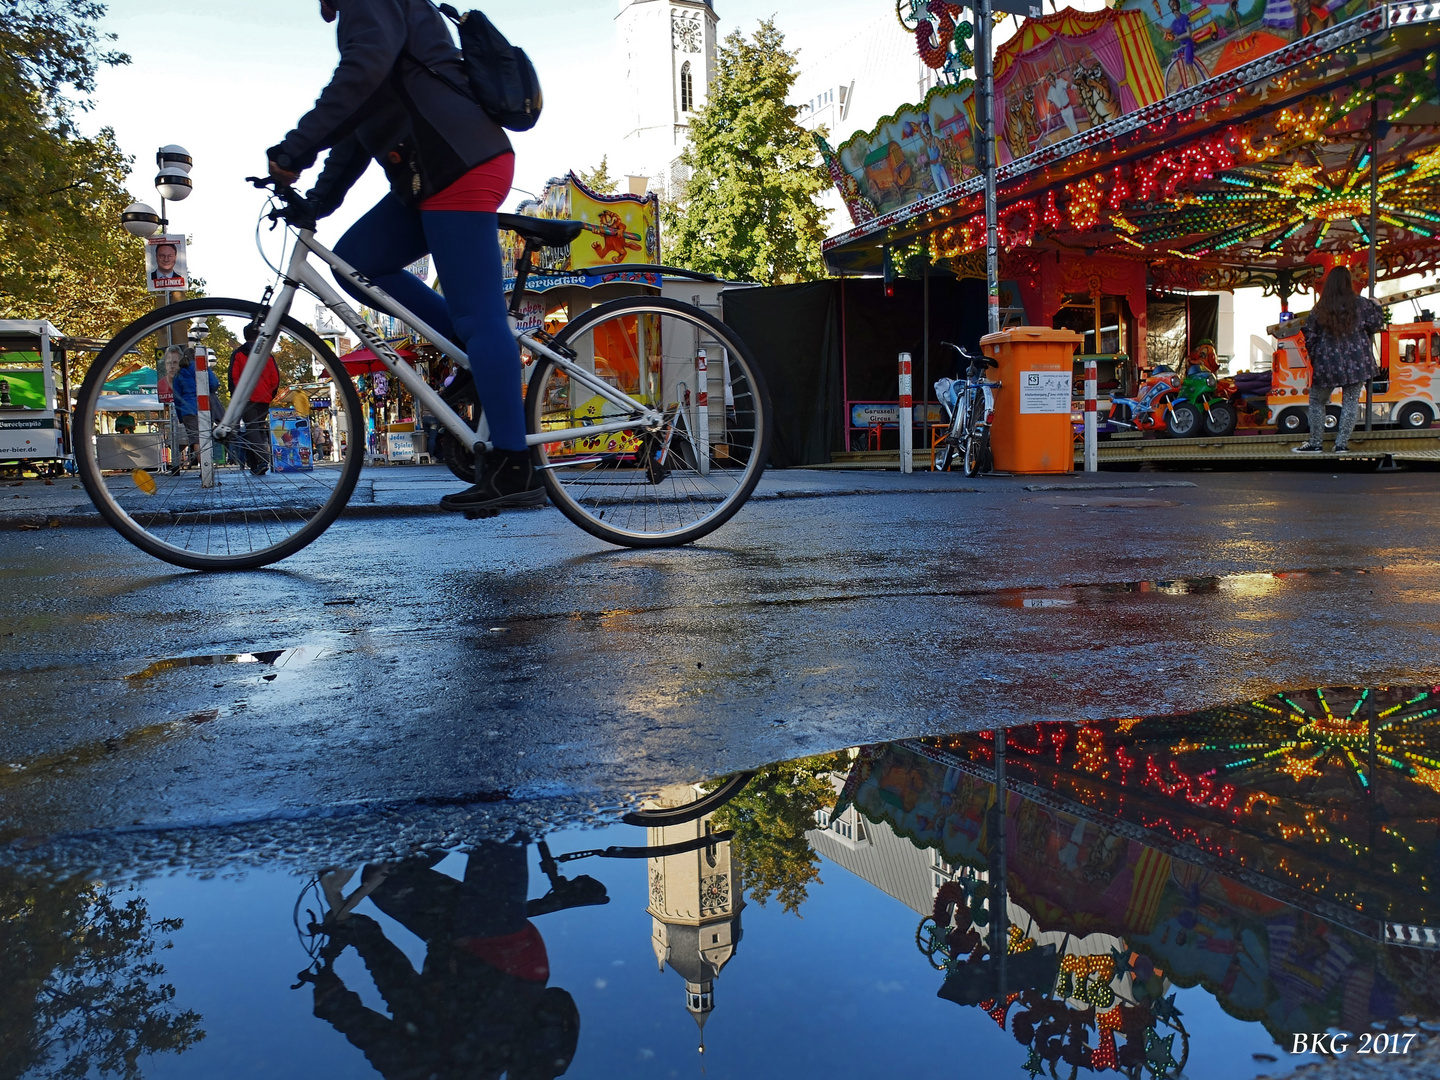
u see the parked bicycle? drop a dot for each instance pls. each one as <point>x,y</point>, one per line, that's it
<point>969,405</point>
<point>638,467</point>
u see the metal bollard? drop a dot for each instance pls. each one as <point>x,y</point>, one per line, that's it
<point>907,417</point>
<point>702,412</point>
<point>1092,452</point>
<point>206,449</point>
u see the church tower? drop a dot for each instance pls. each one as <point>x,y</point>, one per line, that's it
<point>695,904</point>
<point>669,50</point>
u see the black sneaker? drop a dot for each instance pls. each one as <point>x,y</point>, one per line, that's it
<point>1308,448</point>
<point>505,478</point>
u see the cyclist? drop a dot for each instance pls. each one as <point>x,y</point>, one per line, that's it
<point>451,171</point>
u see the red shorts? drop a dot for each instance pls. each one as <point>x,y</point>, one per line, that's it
<point>483,188</point>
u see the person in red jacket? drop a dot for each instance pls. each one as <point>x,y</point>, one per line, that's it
<point>257,410</point>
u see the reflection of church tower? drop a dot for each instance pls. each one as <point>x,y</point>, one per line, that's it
<point>695,902</point>
<point>669,50</point>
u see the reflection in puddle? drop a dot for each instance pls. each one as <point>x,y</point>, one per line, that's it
<point>276,658</point>
<point>1160,896</point>
<point>1242,585</point>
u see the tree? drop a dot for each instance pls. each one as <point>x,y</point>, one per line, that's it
<point>63,255</point>
<point>748,210</point>
<point>770,818</point>
<point>82,992</point>
<point>599,179</point>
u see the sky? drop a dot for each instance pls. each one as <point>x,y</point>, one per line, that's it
<point>228,78</point>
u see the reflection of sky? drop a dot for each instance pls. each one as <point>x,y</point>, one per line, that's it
<point>840,992</point>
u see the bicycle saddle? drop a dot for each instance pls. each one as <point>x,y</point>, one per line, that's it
<point>547,232</point>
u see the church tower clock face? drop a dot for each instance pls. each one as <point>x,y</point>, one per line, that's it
<point>686,33</point>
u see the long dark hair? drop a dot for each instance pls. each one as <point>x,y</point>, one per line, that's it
<point>1337,309</point>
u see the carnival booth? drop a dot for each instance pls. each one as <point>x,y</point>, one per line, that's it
<point>1148,154</point>
<point>34,394</point>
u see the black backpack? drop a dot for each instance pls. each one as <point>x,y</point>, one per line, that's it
<point>502,78</point>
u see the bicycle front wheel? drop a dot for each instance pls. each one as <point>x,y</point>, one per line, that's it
<point>274,488</point>
<point>670,483</point>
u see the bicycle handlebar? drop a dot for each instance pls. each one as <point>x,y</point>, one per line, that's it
<point>295,209</point>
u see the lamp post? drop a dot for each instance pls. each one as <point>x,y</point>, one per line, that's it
<point>172,184</point>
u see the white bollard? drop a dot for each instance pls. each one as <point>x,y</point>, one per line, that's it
<point>702,411</point>
<point>202,405</point>
<point>907,417</point>
<point>1092,463</point>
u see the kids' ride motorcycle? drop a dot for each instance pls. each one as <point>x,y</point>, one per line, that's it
<point>1158,406</point>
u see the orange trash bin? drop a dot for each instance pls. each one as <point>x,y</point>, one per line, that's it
<point>1032,432</point>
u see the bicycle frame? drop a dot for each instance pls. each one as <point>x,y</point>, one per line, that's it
<point>301,274</point>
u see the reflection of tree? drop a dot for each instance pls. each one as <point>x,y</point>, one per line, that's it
<point>770,818</point>
<point>79,991</point>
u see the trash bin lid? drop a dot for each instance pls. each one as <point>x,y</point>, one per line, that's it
<point>1033,333</point>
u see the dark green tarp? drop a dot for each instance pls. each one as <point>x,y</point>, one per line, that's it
<point>794,333</point>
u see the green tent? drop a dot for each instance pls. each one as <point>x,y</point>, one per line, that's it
<point>134,383</point>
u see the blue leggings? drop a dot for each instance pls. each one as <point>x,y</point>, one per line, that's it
<point>466,248</point>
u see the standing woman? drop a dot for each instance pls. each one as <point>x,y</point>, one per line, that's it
<point>449,176</point>
<point>1337,337</point>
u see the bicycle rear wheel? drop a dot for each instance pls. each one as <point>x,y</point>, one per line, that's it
<point>675,482</point>
<point>272,492</point>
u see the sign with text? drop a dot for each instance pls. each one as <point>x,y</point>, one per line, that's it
<point>1045,392</point>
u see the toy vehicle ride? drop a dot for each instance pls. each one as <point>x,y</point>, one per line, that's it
<point>1406,392</point>
<point>1158,405</point>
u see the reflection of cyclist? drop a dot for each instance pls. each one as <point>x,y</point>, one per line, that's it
<point>453,173</point>
<point>479,1007</point>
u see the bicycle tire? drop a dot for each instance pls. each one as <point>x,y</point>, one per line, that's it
<point>977,452</point>
<point>179,506</point>
<point>662,504</point>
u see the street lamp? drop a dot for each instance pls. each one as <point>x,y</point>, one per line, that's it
<point>140,219</point>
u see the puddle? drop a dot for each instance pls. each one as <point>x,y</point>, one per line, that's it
<point>288,659</point>
<point>1167,897</point>
<point>1254,584</point>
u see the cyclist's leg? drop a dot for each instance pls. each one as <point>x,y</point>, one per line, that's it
<point>380,245</point>
<point>466,247</point>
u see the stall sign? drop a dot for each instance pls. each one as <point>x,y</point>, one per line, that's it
<point>290,447</point>
<point>1045,392</point>
<point>400,445</point>
<point>29,437</point>
<point>864,414</point>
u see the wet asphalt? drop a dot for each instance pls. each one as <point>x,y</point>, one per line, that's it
<point>427,658</point>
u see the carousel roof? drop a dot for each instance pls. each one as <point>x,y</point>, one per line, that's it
<point>1260,175</point>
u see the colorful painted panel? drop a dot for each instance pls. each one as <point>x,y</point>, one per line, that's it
<point>1069,72</point>
<point>618,228</point>
<point>921,150</point>
<point>1193,41</point>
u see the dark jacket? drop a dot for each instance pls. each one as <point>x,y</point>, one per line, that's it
<point>187,403</point>
<point>1344,359</point>
<point>397,53</point>
<point>385,137</point>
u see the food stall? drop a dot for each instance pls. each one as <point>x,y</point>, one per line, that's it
<point>34,411</point>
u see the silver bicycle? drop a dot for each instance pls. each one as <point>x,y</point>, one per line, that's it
<point>647,418</point>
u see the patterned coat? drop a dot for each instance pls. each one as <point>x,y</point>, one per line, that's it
<point>1342,359</point>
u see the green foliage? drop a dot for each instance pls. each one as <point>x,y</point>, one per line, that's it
<point>599,179</point>
<point>770,818</point>
<point>82,993</point>
<point>63,254</point>
<point>749,209</point>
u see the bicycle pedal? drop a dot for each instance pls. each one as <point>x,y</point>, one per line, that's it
<point>474,515</point>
